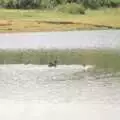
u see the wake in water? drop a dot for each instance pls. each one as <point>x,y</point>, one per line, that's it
<point>42,67</point>
<point>43,73</point>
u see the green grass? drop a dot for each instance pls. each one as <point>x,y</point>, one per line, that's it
<point>102,59</point>
<point>13,14</point>
<point>31,20</point>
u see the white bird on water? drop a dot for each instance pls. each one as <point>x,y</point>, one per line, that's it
<point>87,67</point>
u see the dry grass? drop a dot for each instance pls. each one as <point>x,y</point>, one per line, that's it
<point>35,20</point>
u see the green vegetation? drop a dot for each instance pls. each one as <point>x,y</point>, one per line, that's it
<point>71,8</point>
<point>102,59</point>
<point>115,1</point>
<point>42,4</point>
<point>58,15</point>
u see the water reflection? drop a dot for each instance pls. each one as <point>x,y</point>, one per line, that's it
<point>31,91</point>
<point>63,84</point>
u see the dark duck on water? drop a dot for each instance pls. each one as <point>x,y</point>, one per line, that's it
<point>52,64</point>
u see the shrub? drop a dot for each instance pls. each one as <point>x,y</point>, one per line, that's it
<point>72,8</point>
<point>92,4</point>
<point>23,4</point>
<point>52,3</point>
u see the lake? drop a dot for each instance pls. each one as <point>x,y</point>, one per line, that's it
<point>67,92</point>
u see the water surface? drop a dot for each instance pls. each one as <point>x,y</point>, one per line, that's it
<point>71,39</point>
<point>67,92</point>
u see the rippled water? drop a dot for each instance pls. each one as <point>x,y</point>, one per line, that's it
<point>30,91</point>
<point>62,84</point>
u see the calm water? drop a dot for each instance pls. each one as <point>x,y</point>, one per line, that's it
<point>76,39</point>
<point>68,92</point>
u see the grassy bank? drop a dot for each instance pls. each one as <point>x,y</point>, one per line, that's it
<point>36,20</point>
<point>102,59</point>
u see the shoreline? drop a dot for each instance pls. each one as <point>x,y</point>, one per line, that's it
<point>51,26</point>
<point>50,21</point>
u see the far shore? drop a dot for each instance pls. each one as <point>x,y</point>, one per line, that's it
<point>46,21</point>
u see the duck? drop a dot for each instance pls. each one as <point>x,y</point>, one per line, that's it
<point>52,64</point>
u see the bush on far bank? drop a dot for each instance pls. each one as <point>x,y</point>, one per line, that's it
<point>72,8</point>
